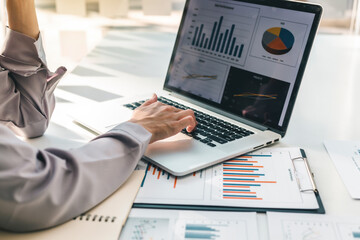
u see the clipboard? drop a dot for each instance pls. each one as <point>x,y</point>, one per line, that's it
<point>313,188</point>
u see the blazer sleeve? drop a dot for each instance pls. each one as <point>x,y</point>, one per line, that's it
<point>26,85</point>
<point>44,188</point>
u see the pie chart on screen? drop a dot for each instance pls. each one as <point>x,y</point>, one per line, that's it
<point>277,40</point>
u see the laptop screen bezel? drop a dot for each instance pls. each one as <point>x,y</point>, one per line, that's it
<point>297,6</point>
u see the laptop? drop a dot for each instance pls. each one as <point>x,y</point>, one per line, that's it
<point>238,64</point>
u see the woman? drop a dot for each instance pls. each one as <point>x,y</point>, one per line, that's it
<point>43,188</point>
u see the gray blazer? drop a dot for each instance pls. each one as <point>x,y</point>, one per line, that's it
<point>43,188</point>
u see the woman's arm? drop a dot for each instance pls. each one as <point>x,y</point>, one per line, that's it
<point>22,17</point>
<point>43,188</point>
<point>26,84</point>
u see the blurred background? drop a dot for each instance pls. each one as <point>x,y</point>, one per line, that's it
<point>72,28</point>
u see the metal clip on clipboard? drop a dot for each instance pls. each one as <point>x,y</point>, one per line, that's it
<point>310,174</point>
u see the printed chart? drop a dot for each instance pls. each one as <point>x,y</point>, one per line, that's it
<point>161,185</point>
<point>145,228</point>
<point>346,158</point>
<point>255,177</point>
<point>291,226</point>
<point>178,225</point>
<point>262,179</point>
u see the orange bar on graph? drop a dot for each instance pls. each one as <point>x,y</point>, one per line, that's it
<point>239,192</point>
<point>194,174</point>
<point>230,161</point>
<point>149,168</point>
<point>242,198</point>
<point>236,186</point>
<point>231,175</point>
<point>175,182</point>
<point>249,181</point>
<point>231,170</point>
<point>244,166</point>
<point>159,174</point>
<point>154,171</point>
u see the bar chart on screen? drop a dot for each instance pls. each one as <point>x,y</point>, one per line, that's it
<point>179,225</point>
<point>220,30</point>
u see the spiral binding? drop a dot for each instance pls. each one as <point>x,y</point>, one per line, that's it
<point>95,218</point>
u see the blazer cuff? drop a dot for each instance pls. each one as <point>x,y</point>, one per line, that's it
<point>135,131</point>
<point>22,54</point>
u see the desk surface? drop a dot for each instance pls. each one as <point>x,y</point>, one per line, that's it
<point>129,62</point>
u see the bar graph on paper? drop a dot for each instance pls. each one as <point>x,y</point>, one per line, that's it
<point>160,224</point>
<point>255,178</point>
<point>312,227</point>
<point>241,177</point>
<point>157,183</point>
<point>259,179</point>
<point>221,32</point>
<point>211,229</point>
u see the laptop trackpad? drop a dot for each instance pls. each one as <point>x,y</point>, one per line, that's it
<point>179,142</point>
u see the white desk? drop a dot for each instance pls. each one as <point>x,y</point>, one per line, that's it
<point>134,61</point>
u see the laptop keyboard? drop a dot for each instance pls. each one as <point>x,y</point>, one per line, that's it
<point>210,130</point>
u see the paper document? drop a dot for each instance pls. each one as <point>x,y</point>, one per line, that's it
<point>146,224</point>
<point>346,158</point>
<point>297,226</point>
<point>263,179</point>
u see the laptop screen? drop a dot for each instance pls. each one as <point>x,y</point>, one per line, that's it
<point>242,57</point>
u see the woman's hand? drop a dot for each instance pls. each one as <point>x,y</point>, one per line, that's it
<point>161,120</point>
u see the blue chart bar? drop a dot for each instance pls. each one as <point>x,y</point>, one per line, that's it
<point>241,49</point>
<point>218,46</point>
<point>195,35</point>
<point>223,44</point>
<point>230,36</point>
<point>254,155</point>
<point>236,49</point>
<point>202,40</point>
<point>232,46</point>
<point>199,227</point>
<point>195,235</point>
<point>245,196</point>
<point>240,164</point>
<point>198,40</point>
<point>240,179</point>
<point>206,41</point>
<point>217,33</point>
<point>240,168</point>
<point>212,35</point>
<point>236,190</point>
<point>199,231</point>
<point>356,235</point>
<point>143,181</point>
<point>219,41</point>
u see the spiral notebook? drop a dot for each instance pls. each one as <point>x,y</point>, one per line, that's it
<point>105,221</point>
